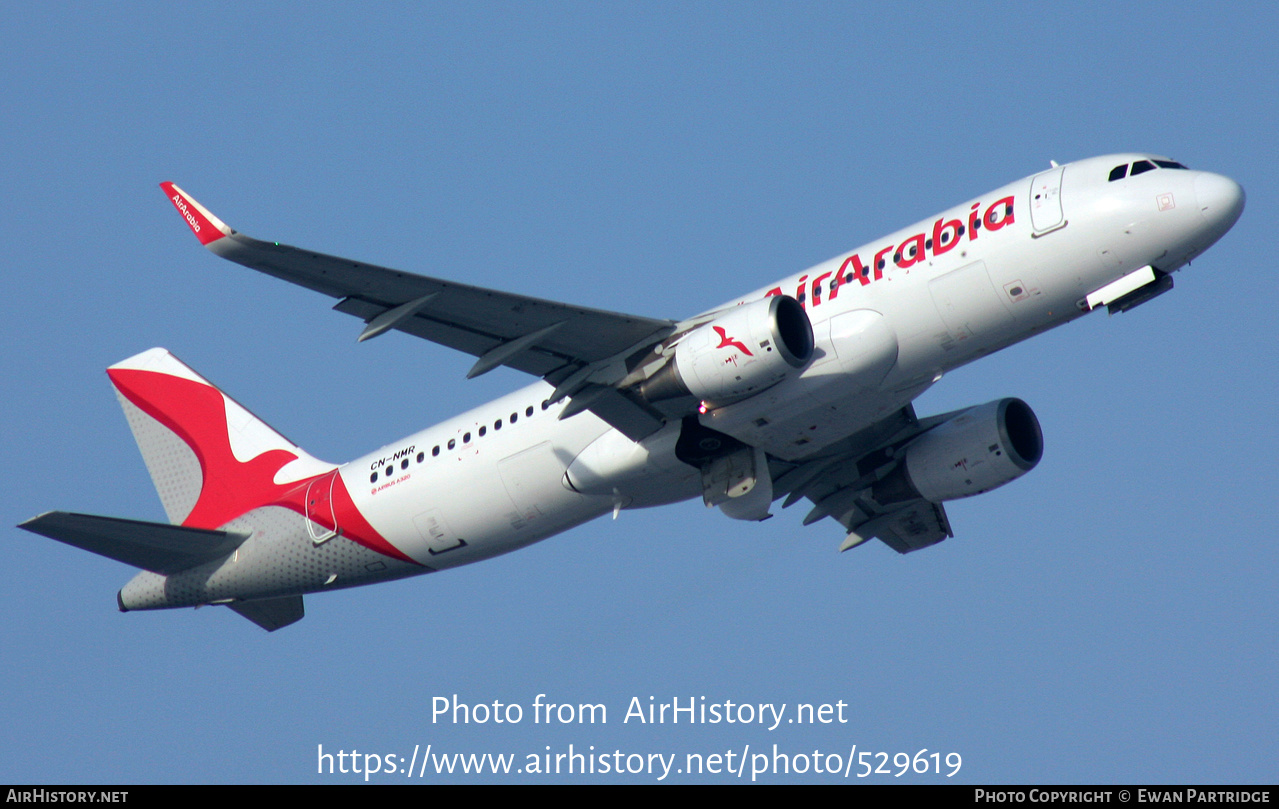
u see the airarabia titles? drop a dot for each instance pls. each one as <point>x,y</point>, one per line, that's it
<point>945,236</point>
<point>181,205</point>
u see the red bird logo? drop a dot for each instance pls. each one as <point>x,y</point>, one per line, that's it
<point>725,340</point>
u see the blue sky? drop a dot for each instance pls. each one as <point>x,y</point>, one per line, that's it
<point>1108,618</point>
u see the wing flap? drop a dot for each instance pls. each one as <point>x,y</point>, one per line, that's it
<point>468,318</point>
<point>539,358</point>
<point>158,547</point>
<point>838,483</point>
<point>915,526</point>
<point>632,419</point>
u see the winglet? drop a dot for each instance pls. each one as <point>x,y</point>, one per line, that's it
<point>206,227</point>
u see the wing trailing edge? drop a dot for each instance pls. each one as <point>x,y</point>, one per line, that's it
<point>838,484</point>
<point>552,340</point>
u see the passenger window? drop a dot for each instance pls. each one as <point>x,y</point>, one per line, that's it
<point>528,411</point>
<point>545,404</point>
<point>515,417</point>
<point>1119,172</point>
<point>435,450</point>
<point>421,456</point>
<point>373,478</point>
<point>404,464</point>
<point>497,425</point>
<point>483,430</point>
<point>466,438</point>
<point>1141,167</point>
<point>452,443</point>
<point>390,470</point>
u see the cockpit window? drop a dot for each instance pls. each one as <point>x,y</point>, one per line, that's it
<point>1143,166</point>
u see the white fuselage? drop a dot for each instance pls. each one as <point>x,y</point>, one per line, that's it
<point>888,319</point>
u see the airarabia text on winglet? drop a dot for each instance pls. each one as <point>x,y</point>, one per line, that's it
<point>191,218</point>
<point>947,233</point>
<point>205,227</point>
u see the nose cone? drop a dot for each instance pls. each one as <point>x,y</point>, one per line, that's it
<point>1220,201</point>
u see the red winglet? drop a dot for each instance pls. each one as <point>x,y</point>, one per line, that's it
<point>206,227</point>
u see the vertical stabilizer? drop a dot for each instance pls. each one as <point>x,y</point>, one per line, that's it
<point>211,459</point>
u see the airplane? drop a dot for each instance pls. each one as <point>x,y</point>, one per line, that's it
<point>797,390</point>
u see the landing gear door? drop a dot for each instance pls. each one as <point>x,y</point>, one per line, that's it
<point>1045,201</point>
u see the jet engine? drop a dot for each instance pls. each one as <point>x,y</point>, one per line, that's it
<point>980,449</point>
<point>737,354</point>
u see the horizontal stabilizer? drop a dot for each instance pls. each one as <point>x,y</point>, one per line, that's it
<point>271,613</point>
<point>158,547</point>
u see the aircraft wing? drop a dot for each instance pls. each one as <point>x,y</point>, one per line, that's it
<point>838,483</point>
<point>558,342</point>
<point>916,525</point>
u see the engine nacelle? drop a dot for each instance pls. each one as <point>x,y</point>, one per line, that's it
<point>981,449</point>
<point>738,354</point>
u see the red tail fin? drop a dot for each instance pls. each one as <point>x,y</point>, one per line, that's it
<point>211,460</point>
